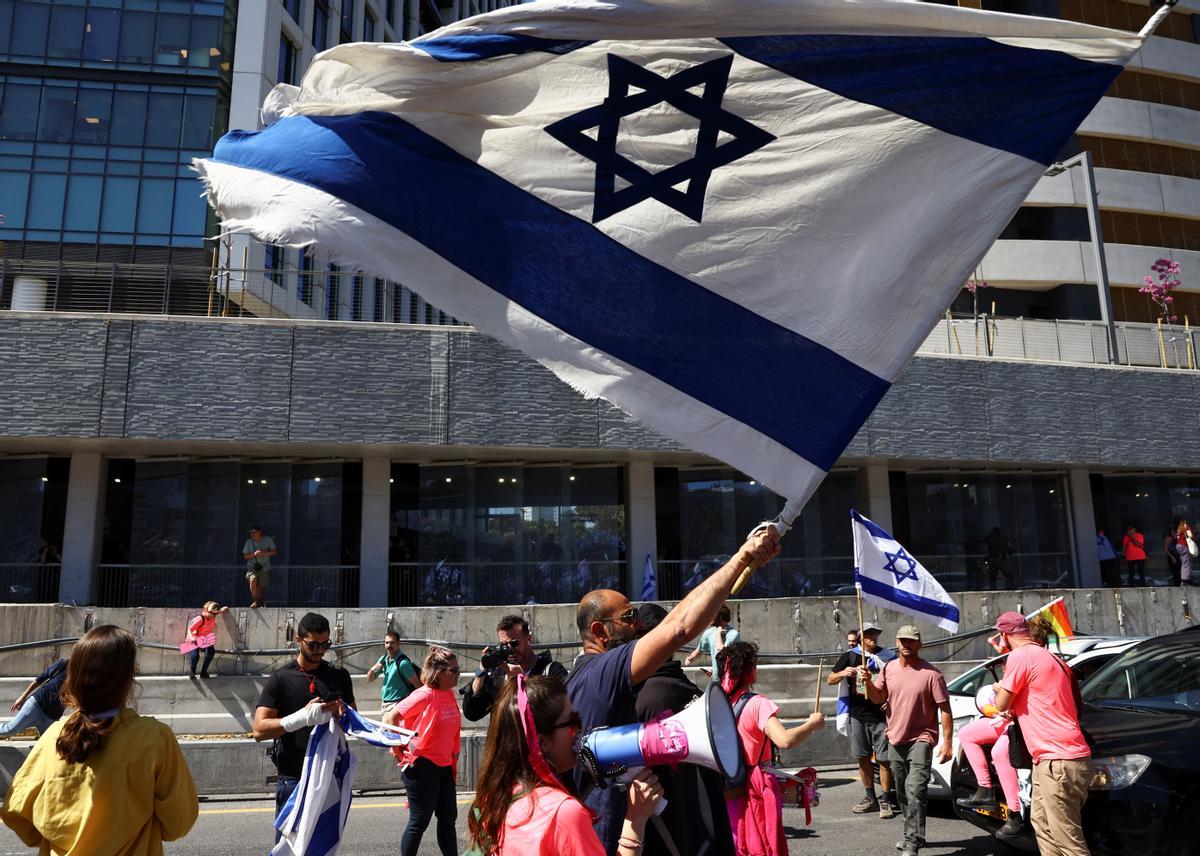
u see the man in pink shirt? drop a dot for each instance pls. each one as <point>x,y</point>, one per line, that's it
<point>917,698</point>
<point>1039,689</point>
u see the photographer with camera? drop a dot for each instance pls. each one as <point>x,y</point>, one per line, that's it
<point>513,655</point>
<point>257,551</point>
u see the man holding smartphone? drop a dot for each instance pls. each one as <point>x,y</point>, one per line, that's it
<point>304,693</point>
<point>514,655</point>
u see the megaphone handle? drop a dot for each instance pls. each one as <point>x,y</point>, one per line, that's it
<point>661,805</point>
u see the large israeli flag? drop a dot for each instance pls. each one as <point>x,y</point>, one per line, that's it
<point>888,576</point>
<point>734,219</point>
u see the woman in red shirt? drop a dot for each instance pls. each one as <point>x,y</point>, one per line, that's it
<point>1133,548</point>
<point>199,630</point>
<point>521,808</point>
<point>429,764</point>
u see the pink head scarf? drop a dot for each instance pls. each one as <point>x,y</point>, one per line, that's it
<point>536,759</point>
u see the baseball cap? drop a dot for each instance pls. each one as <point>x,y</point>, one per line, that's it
<point>909,631</point>
<point>869,626</point>
<point>1012,622</point>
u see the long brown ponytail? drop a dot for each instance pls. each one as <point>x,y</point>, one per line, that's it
<point>99,678</point>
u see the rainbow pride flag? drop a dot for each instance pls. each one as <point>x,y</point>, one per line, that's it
<point>1055,612</point>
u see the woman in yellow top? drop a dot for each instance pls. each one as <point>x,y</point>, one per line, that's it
<point>104,781</point>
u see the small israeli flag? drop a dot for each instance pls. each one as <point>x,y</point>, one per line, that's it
<point>649,581</point>
<point>876,663</point>
<point>888,576</point>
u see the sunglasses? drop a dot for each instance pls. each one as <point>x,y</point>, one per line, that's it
<point>625,617</point>
<point>317,646</point>
<point>454,671</point>
<point>573,722</point>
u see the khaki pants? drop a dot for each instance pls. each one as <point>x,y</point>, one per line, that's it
<point>1060,789</point>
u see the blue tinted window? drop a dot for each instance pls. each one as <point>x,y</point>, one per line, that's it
<point>155,197</point>
<point>171,44</point>
<point>119,204</point>
<point>29,26</point>
<point>101,35</point>
<point>83,203</point>
<point>347,20</point>
<point>137,37</point>
<point>162,120</point>
<point>320,36</point>
<point>368,27</point>
<point>93,115</point>
<point>287,61</point>
<point>14,188</point>
<point>66,32</point>
<point>190,207</point>
<point>18,117</point>
<point>58,114</point>
<point>198,120</point>
<point>293,9</point>
<point>128,118</point>
<point>5,24</point>
<point>46,198</point>
<point>204,49</point>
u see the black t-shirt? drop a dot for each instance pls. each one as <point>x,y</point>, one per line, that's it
<point>860,708</point>
<point>49,685</point>
<point>287,690</point>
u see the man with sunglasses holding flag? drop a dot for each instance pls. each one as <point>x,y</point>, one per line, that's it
<point>304,693</point>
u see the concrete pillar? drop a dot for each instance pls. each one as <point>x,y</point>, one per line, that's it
<point>376,519</point>
<point>875,495</point>
<point>83,529</point>
<point>1083,522</point>
<point>643,527</point>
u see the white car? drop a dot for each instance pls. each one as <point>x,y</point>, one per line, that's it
<point>1085,654</point>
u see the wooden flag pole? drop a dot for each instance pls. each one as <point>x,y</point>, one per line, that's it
<point>820,675</point>
<point>859,682</point>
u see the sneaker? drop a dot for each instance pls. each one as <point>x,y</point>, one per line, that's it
<point>1014,827</point>
<point>868,803</point>
<point>254,604</point>
<point>204,675</point>
<point>885,809</point>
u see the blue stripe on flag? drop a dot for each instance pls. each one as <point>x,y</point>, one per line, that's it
<point>870,526</point>
<point>469,47</point>
<point>910,602</point>
<point>974,88</point>
<point>569,273</point>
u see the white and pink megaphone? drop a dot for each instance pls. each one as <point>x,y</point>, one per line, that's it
<point>704,733</point>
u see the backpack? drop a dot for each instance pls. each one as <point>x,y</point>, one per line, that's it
<point>736,786</point>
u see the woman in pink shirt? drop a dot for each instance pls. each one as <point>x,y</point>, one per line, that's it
<point>521,808</point>
<point>429,764</point>
<point>199,630</point>
<point>757,814</point>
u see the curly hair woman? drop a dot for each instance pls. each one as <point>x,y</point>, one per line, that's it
<point>757,815</point>
<point>521,808</point>
<point>103,780</point>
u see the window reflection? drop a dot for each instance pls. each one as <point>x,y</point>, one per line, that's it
<point>198,114</point>
<point>66,32</point>
<point>47,194</point>
<point>137,37</point>
<point>30,23</point>
<point>83,203</point>
<point>128,118</point>
<point>101,35</point>
<point>162,120</point>
<point>171,43</point>
<point>18,120</point>
<point>57,114</point>
<point>92,115</point>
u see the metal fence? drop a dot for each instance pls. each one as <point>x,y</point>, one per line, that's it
<point>332,295</point>
<point>1171,346</point>
<point>494,583</point>
<point>192,585</point>
<point>35,583</point>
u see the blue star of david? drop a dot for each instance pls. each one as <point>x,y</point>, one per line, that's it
<point>900,556</point>
<point>655,89</point>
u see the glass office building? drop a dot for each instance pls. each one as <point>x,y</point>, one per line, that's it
<point>103,106</point>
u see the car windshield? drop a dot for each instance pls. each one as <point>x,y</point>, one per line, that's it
<point>1157,677</point>
<point>969,683</point>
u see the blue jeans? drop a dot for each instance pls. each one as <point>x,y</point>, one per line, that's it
<point>430,791</point>
<point>194,657</point>
<point>284,785</point>
<point>30,715</point>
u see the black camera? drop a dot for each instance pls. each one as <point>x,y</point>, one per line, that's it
<point>258,567</point>
<point>498,654</point>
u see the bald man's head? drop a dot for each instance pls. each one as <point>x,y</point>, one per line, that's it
<point>607,617</point>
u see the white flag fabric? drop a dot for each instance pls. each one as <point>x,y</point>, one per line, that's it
<point>649,581</point>
<point>734,219</point>
<point>314,816</point>
<point>888,576</point>
<point>876,663</point>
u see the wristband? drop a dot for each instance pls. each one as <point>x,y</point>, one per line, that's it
<point>305,717</point>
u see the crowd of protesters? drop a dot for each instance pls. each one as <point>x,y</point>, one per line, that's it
<point>122,786</point>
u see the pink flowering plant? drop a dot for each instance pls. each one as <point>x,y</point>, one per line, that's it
<point>1165,279</point>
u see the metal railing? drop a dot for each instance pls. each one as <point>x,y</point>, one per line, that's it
<point>495,583</point>
<point>150,289</point>
<point>1171,346</point>
<point>190,585</point>
<point>29,583</point>
<point>834,576</point>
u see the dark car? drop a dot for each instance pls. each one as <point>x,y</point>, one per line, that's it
<point>1141,717</point>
